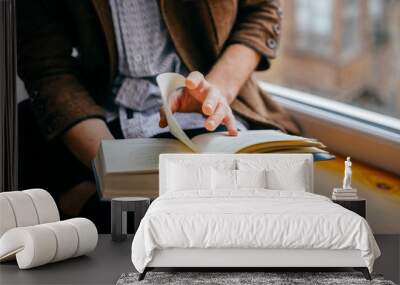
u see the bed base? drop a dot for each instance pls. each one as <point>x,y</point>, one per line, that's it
<point>239,260</point>
<point>363,270</point>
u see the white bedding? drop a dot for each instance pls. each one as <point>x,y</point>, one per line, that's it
<point>251,218</point>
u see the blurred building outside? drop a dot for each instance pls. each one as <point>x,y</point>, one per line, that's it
<point>345,50</point>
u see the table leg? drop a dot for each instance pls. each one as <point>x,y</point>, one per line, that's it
<point>118,222</point>
<point>140,211</point>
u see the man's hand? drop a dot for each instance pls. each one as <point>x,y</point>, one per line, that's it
<point>212,95</point>
<point>199,95</point>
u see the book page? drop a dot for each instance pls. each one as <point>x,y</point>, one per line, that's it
<point>137,155</point>
<point>220,142</point>
<point>168,83</point>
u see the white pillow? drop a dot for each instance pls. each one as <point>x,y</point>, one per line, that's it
<point>223,179</point>
<point>293,179</point>
<point>282,174</point>
<point>182,177</point>
<point>228,179</point>
<point>251,178</point>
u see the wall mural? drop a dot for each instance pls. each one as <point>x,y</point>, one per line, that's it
<point>379,188</point>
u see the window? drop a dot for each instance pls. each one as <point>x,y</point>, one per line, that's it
<point>313,25</point>
<point>345,90</point>
<point>350,28</point>
<point>377,13</point>
<point>355,71</point>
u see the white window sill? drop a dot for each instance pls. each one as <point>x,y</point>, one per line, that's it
<point>366,136</point>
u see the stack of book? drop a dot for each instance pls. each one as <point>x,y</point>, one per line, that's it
<point>344,194</point>
<point>129,167</point>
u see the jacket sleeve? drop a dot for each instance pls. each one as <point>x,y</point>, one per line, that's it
<point>48,69</point>
<point>258,26</point>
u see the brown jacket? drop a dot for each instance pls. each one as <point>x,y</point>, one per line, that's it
<point>66,89</point>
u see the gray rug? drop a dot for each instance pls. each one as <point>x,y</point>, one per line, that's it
<point>232,278</point>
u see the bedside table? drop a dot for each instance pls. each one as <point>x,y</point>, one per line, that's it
<point>119,208</point>
<point>358,206</point>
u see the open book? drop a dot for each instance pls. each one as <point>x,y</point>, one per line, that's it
<point>129,167</point>
<point>249,141</point>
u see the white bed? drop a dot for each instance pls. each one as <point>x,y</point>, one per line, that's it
<point>248,227</point>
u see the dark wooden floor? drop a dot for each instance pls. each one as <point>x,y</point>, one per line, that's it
<point>110,260</point>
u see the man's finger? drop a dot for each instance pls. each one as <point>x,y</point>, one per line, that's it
<point>215,119</point>
<point>197,85</point>
<point>230,123</point>
<point>195,80</point>
<point>174,100</point>
<point>211,101</point>
<point>174,103</point>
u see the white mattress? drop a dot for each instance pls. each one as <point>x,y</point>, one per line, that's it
<point>258,219</point>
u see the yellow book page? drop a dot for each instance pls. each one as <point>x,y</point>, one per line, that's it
<point>220,142</point>
<point>306,149</point>
<point>262,148</point>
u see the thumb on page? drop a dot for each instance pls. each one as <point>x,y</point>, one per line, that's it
<point>163,119</point>
<point>174,103</point>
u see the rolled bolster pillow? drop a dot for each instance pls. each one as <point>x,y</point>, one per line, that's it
<point>7,218</point>
<point>33,246</point>
<point>40,244</point>
<point>26,208</point>
<point>67,240</point>
<point>23,208</point>
<point>87,235</point>
<point>45,205</point>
